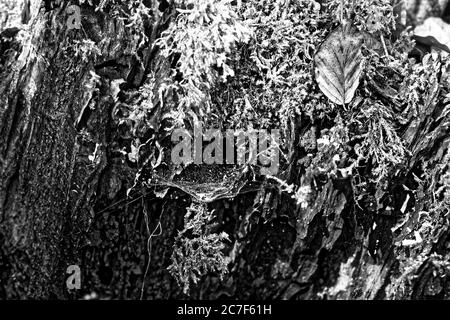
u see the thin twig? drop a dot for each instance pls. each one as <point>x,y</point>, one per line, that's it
<point>149,241</point>
<point>384,47</point>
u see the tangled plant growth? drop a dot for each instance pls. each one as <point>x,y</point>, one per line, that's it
<point>274,79</point>
<point>197,250</point>
<point>200,41</point>
<point>252,64</point>
<point>373,16</point>
<point>364,185</point>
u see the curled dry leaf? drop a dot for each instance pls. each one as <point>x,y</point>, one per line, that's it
<point>338,64</point>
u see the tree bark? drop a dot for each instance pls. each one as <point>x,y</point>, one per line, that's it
<point>63,189</point>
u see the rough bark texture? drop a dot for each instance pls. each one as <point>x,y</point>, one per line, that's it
<point>58,206</point>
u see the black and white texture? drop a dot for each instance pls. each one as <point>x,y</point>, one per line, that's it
<point>351,97</point>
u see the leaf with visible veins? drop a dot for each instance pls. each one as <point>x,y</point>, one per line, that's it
<point>338,64</point>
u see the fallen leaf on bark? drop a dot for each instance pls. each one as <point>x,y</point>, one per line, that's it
<point>338,64</point>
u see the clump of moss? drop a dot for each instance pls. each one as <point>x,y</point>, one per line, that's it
<point>252,65</point>
<point>200,42</point>
<point>197,250</point>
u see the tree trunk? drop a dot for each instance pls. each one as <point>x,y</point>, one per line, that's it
<point>64,183</point>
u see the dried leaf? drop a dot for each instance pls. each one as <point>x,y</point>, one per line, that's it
<point>339,64</point>
<point>435,33</point>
